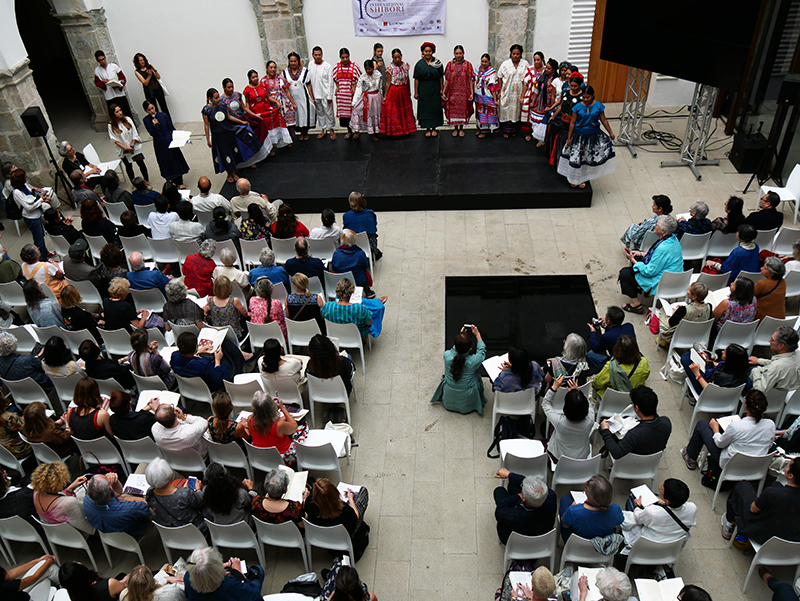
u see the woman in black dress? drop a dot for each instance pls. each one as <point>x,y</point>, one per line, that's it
<point>149,77</point>
<point>170,160</point>
<point>83,584</point>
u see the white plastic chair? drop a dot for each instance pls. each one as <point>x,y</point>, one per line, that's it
<point>16,529</point>
<point>732,332</point>
<point>11,292</point>
<point>613,401</point>
<point>362,241</point>
<point>264,459</point>
<point>650,238</point>
<point>279,292</point>
<point>327,390</point>
<point>285,535</point>
<point>74,339</point>
<point>165,251</point>
<point>321,458</point>
<point>142,450</point>
<point>47,332</point>
<point>558,398</point>
<point>143,211</point>
<point>43,453</point>
<point>524,547</point>
<point>100,451</point>
<point>774,552</point>
<point>349,338</point>
<point>647,552</point>
<point>27,391</point>
<point>580,551</point>
<point>89,294</point>
<point>331,279</point>
<point>314,286</point>
<point>713,281</point>
<point>204,217</point>
<point>782,244</point>
<point>138,243</point>
<point>636,467</point>
<point>194,389</point>
<point>285,389</point>
<point>185,460</point>
<point>753,276</point>
<point>721,245</point>
<point>26,341</point>
<point>261,332</point>
<point>65,535</point>
<point>790,408</point>
<point>322,249</point>
<point>108,385</point>
<point>178,330</point>
<point>792,280</point>
<point>8,460</point>
<point>672,285</point>
<point>242,394</point>
<point>300,333</point>
<point>522,402</point>
<point>147,382</point>
<point>229,455</point>
<point>524,457</point>
<point>685,335</point>
<point>235,536</point>
<point>765,238</point>
<point>96,244</point>
<point>151,299</point>
<point>571,472</point>
<point>185,249</point>
<point>742,466</point>
<point>185,538</point>
<point>117,342</point>
<point>251,249</point>
<point>769,326</point>
<point>231,246</point>
<point>115,211</point>
<point>121,541</point>
<point>714,400</point>
<point>695,246</point>
<point>333,538</point>
<point>60,245</point>
<point>283,249</point>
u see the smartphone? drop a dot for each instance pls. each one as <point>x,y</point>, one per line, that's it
<point>192,482</point>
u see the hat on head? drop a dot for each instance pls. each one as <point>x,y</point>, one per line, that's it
<point>431,44</point>
<point>78,248</point>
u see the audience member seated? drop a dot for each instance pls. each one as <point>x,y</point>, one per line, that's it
<point>160,219</point>
<point>42,272</point>
<point>627,369</point>
<point>772,513</point>
<point>57,359</point>
<point>75,266</point>
<point>145,279</point>
<point>274,365</point>
<point>287,224</point>
<point>84,584</point>
<point>783,369</point>
<point>128,424</point>
<point>324,507</point>
<point>131,227</point>
<point>771,291</point>
<point>112,265</point>
<point>100,368</point>
<point>361,219</point>
<point>603,342</point>
<point>571,428</point>
<point>367,315</point>
<point>740,307</point>
<point>343,583</point>
<point>220,229</point>
<point>731,372</point>
<point>304,263</point>
<point>171,194</point>
<point>634,235</point>
<point>145,359</point>
<point>272,507</point>
<point>172,505</point>
<point>329,228</point>
<point>694,310</point>
<point>143,194</point>
<point>461,388</point>
<point>207,200</point>
<point>208,578</point>
<point>239,205</point>
<point>528,507</point>
<point>268,269</point>
<point>113,192</point>
<point>76,160</point>
<point>19,581</point>
<point>37,427</point>
<point>80,191</point>
<point>44,312</point>
<point>734,217</point>
<point>234,274</point>
<point>326,362</point>
<point>14,366</point>
<point>55,498</point>
<point>752,435</point>
<point>88,420</point>
<point>518,373</point>
<point>301,305</point>
<point>542,587</point>
<point>743,258</point>
<point>9,269</point>
<point>649,436</point>
<point>175,431</point>
<point>767,217</point>
<point>16,500</point>
<point>143,586</point>
<point>255,226</point>
<point>349,257</point>
<point>663,521</point>
<point>226,500</point>
<point>221,428</point>
<point>648,267</point>
<point>197,269</point>
<point>698,222</point>
<point>225,310</point>
<point>11,423</point>
<point>118,313</point>
<point>264,308</point>
<point>179,309</point>
<point>597,517</point>
<point>572,363</point>
<point>94,223</point>
<point>184,229</point>
<point>188,362</point>
<point>56,224</point>
<point>271,425</point>
<point>612,585</point>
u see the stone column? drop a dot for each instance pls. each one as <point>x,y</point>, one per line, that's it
<point>282,29</point>
<point>511,22</point>
<point>86,32</point>
<point>17,93</point>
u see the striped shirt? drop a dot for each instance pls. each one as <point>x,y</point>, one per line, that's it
<point>357,314</point>
<point>345,78</point>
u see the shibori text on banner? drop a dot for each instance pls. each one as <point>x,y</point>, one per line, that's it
<point>398,17</point>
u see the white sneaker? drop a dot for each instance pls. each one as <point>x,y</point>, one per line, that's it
<point>727,528</point>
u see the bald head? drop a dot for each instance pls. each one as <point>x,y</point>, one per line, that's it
<point>204,184</point>
<point>165,415</point>
<point>243,187</point>
<point>137,261</point>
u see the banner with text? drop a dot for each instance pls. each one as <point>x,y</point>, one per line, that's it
<point>398,17</point>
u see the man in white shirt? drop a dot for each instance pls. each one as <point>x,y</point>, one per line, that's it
<point>659,521</point>
<point>175,431</point>
<point>106,72</point>
<point>321,74</point>
<point>207,201</point>
<point>783,369</point>
<point>246,197</point>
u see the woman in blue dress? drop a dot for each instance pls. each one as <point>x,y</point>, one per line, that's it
<point>589,153</point>
<point>170,160</point>
<point>237,106</point>
<point>233,144</point>
<point>461,388</point>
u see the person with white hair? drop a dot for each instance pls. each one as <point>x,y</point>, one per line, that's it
<point>268,269</point>
<point>239,204</point>
<point>698,222</point>
<point>207,577</point>
<point>542,586</point>
<point>15,366</point>
<point>109,510</point>
<point>234,274</point>
<point>179,309</point>
<point>172,505</point>
<point>528,507</point>
<point>350,257</point>
<point>572,363</point>
<point>199,267</point>
<point>771,291</point>
<point>612,584</point>
<point>145,279</point>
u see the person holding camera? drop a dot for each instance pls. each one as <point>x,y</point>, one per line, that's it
<point>461,388</point>
<point>602,343</point>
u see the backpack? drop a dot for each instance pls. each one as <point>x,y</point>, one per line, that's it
<point>509,427</point>
<point>13,210</point>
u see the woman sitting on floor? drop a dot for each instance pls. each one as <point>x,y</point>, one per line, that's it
<point>461,388</point>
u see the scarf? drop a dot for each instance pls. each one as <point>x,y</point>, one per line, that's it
<point>649,254</point>
<point>619,379</point>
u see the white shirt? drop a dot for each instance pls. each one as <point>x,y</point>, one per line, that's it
<point>321,80</point>
<point>30,205</point>
<point>186,434</point>
<point>320,233</point>
<point>233,274</point>
<point>240,204</point>
<point>159,224</point>
<point>656,523</point>
<point>745,436</point>
<point>126,137</point>
<point>210,201</point>
<point>111,71</point>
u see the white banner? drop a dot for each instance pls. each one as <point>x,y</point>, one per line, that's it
<point>398,17</point>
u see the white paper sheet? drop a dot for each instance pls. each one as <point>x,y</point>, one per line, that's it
<point>654,590</point>
<point>211,336</point>
<point>492,365</point>
<point>578,496</point>
<point>648,497</point>
<point>297,484</point>
<point>697,358</point>
<point>136,483</point>
<point>343,488</point>
<point>163,396</point>
<point>185,193</point>
<point>725,422</point>
<point>591,576</point>
<point>180,138</point>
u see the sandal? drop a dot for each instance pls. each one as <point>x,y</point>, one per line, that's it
<point>461,134</point>
<point>638,309</point>
<point>356,135</point>
<point>455,133</point>
<point>582,185</point>
<point>348,135</point>
<point>690,463</point>
<point>481,136</point>
<point>320,136</point>
<point>434,134</point>
<point>428,134</point>
<point>333,135</point>
<point>528,138</point>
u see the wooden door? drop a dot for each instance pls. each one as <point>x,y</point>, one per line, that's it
<point>608,79</point>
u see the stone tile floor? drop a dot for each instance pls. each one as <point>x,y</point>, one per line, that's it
<point>430,483</point>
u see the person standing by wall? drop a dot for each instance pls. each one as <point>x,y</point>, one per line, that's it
<point>111,80</point>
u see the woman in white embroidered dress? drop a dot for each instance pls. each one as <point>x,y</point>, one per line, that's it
<point>367,102</point>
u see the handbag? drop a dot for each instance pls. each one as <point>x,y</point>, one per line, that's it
<point>163,87</point>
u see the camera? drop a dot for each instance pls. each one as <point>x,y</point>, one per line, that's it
<point>597,323</point>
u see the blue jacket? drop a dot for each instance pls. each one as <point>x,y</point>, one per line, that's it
<point>234,587</point>
<point>740,259</point>
<point>606,342</point>
<point>361,221</point>
<point>201,367</point>
<point>276,274</point>
<point>144,198</point>
<point>667,257</point>
<point>351,258</point>
<point>147,279</point>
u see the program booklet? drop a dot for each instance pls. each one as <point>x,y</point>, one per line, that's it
<point>658,590</point>
<point>297,484</point>
<point>211,336</point>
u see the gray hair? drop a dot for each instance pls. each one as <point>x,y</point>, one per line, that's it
<point>158,474</point>
<point>266,257</point>
<point>176,291</point>
<point>534,491</point>
<point>614,585</point>
<point>667,223</point>
<point>574,347</point>
<point>62,148</point>
<point>700,209</point>
<point>207,248</point>
<point>788,337</point>
<point>263,288</point>
<point>349,237</point>
<point>227,256</point>
<point>205,569</point>
<point>99,489</point>
<point>3,253</point>
<point>243,186</point>
<point>137,261</point>
<point>775,266</point>
<point>8,344</point>
<point>276,484</point>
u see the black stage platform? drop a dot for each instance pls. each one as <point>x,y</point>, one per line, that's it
<point>414,174</point>
<point>531,312</point>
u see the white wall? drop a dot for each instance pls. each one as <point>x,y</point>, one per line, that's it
<point>551,34</point>
<point>669,91</point>
<point>193,44</point>
<point>12,50</point>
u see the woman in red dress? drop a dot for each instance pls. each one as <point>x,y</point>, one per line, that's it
<point>262,104</point>
<point>459,77</point>
<point>397,114</point>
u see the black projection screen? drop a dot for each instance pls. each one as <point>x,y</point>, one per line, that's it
<point>705,41</point>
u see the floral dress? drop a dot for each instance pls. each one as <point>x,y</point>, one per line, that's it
<point>253,231</point>
<point>225,436</point>
<point>259,313</point>
<point>293,512</point>
<point>277,87</point>
<point>226,316</point>
<point>739,313</point>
